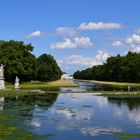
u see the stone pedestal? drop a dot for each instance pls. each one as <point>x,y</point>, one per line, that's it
<point>2,86</point>
<point>16,85</point>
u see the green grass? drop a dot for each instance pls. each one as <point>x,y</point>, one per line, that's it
<point>11,129</point>
<point>118,86</point>
<point>123,136</point>
<point>36,87</point>
<point>22,92</point>
<point>120,94</point>
<point>38,84</point>
<point>112,83</point>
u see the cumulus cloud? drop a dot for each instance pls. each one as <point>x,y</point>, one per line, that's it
<point>136,49</point>
<point>117,43</point>
<point>83,42</point>
<point>81,62</point>
<point>63,45</point>
<point>134,39</point>
<point>78,42</point>
<point>99,26</point>
<point>66,31</point>
<point>101,56</point>
<point>134,42</point>
<point>34,34</point>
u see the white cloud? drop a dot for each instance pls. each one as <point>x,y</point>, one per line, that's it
<point>84,42</point>
<point>137,49</point>
<point>99,26</point>
<point>34,34</point>
<point>63,45</point>
<point>78,42</point>
<point>101,56</point>
<point>117,43</point>
<point>134,43</point>
<point>81,62</point>
<point>134,39</point>
<point>66,31</point>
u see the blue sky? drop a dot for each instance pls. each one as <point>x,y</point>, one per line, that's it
<point>78,33</point>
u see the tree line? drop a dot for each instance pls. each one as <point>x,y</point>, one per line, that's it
<point>117,68</point>
<point>19,61</point>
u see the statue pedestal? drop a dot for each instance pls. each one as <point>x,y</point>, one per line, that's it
<point>2,86</point>
<point>16,85</point>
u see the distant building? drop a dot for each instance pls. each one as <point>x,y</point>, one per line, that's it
<point>66,76</point>
<point>70,77</point>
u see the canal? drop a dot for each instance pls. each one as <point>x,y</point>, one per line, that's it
<point>69,116</point>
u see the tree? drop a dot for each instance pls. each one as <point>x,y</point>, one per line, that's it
<point>18,60</point>
<point>117,68</point>
<point>47,68</point>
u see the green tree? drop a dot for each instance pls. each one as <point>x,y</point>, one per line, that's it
<point>117,68</point>
<point>47,68</point>
<point>18,60</point>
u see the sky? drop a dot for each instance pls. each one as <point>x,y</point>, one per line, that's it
<point>78,33</point>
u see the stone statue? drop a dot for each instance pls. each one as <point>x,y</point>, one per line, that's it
<point>17,83</point>
<point>2,86</point>
<point>1,71</point>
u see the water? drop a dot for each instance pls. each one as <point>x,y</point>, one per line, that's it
<point>69,116</point>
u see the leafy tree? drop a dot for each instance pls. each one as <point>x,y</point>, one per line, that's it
<point>47,68</point>
<point>19,61</point>
<point>118,68</point>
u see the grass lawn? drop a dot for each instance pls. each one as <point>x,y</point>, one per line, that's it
<point>116,88</point>
<point>36,87</point>
<point>112,83</point>
<point>38,84</point>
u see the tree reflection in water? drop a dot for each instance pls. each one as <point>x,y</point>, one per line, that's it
<point>17,110</point>
<point>131,102</point>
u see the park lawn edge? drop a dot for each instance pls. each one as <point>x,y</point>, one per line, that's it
<point>38,84</point>
<point>123,84</point>
<point>120,93</point>
<point>36,87</point>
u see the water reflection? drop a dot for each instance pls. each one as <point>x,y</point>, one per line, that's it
<point>68,116</point>
<point>131,102</point>
<point>83,87</point>
<point>17,112</point>
<point>95,131</point>
<point>133,105</point>
<point>1,103</point>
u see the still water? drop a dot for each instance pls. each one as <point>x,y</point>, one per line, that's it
<point>69,116</point>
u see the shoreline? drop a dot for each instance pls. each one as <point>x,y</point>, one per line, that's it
<point>37,88</point>
<point>110,83</point>
<point>38,84</point>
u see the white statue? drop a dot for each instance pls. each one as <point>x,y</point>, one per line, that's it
<point>1,71</point>
<point>2,86</point>
<point>17,83</point>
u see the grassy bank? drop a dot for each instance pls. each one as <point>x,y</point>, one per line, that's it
<point>36,87</point>
<point>117,87</point>
<point>21,92</point>
<point>41,85</point>
<point>120,93</point>
<point>125,84</point>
